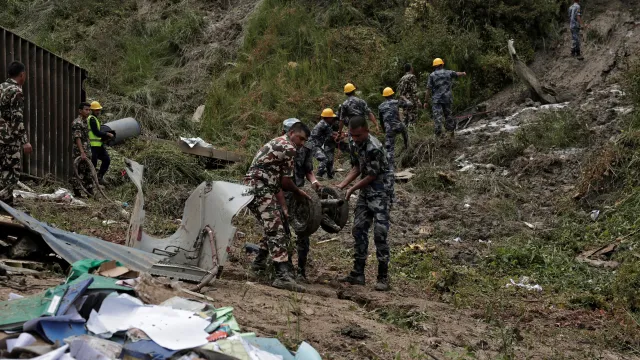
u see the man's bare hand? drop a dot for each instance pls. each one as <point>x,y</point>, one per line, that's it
<point>304,194</point>
<point>316,186</point>
<point>348,195</point>
<point>285,212</point>
<point>27,148</point>
<point>83,156</point>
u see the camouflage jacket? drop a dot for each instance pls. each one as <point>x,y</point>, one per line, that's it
<point>408,87</point>
<point>273,161</point>
<point>390,114</point>
<point>371,158</point>
<point>440,82</point>
<point>12,130</point>
<point>79,130</point>
<point>320,134</point>
<point>352,107</point>
<point>303,164</point>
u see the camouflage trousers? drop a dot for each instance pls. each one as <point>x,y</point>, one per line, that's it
<point>575,44</point>
<point>10,161</point>
<point>264,207</point>
<point>390,141</point>
<point>410,116</point>
<point>443,112</point>
<point>302,242</point>
<point>85,179</point>
<point>371,209</point>
<point>325,155</point>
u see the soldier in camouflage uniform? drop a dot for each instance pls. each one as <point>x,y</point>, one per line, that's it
<point>369,161</point>
<point>271,172</point>
<point>393,126</point>
<point>321,139</point>
<point>439,85</point>
<point>408,89</point>
<point>354,107</point>
<point>81,148</point>
<point>13,135</point>
<point>302,171</point>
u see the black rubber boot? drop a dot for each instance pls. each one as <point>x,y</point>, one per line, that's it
<point>356,277</point>
<point>301,275</point>
<point>260,262</point>
<point>284,280</point>
<point>383,277</point>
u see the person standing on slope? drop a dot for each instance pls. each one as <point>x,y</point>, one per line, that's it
<point>439,85</point>
<point>575,23</point>
<point>270,172</point>
<point>369,162</point>
<point>408,88</point>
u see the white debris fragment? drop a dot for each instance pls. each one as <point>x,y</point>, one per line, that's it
<point>524,283</point>
<point>595,214</point>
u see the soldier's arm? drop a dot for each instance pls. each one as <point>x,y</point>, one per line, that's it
<point>283,203</point>
<point>352,175</point>
<point>17,118</point>
<point>372,118</point>
<point>459,74</point>
<point>79,145</point>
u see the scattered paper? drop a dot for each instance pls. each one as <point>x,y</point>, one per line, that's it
<point>169,328</point>
<point>595,214</point>
<point>193,142</point>
<point>524,283</point>
<point>23,340</point>
<point>179,303</point>
<point>13,296</point>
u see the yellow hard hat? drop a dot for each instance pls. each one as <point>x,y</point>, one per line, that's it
<point>349,88</point>
<point>328,113</point>
<point>96,106</point>
<point>438,62</point>
<point>387,92</point>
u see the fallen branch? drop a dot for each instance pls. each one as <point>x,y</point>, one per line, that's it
<point>326,241</point>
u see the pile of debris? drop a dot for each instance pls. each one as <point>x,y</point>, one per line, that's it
<point>104,310</point>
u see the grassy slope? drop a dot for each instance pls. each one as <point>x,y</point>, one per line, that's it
<point>297,55</point>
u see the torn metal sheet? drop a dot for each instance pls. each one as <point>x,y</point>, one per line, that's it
<point>75,247</point>
<point>206,230</point>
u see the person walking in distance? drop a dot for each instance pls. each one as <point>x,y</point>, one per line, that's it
<point>13,135</point>
<point>575,24</point>
<point>439,86</point>
<point>321,140</point>
<point>408,89</point>
<point>96,138</point>
<point>390,118</point>
<point>82,149</point>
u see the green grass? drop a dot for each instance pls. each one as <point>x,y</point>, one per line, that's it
<point>552,130</point>
<point>297,55</point>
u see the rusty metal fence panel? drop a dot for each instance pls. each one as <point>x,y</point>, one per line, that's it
<point>53,90</point>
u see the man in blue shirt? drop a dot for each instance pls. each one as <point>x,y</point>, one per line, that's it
<point>575,23</point>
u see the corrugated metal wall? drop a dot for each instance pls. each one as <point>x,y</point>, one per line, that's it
<point>53,90</point>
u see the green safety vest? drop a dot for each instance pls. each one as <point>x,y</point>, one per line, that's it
<point>94,140</point>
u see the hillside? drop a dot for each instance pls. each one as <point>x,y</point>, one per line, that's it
<point>520,195</point>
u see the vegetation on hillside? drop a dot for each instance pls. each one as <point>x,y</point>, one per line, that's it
<point>140,58</point>
<point>298,54</point>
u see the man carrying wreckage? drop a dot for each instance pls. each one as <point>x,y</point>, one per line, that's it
<point>270,172</point>
<point>302,171</point>
<point>369,162</point>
